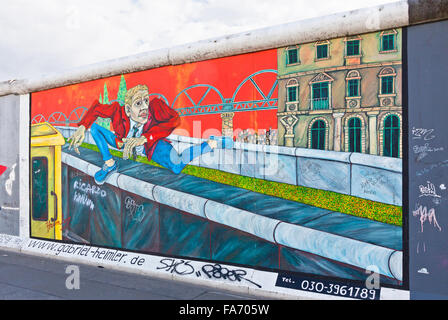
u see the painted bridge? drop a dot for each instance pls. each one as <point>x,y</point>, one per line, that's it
<point>197,106</point>
<point>150,209</point>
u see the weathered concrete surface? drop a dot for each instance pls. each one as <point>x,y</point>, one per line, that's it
<point>9,158</point>
<point>421,11</point>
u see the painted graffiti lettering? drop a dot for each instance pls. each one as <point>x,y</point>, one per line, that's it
<point>211,271</point>
<point>426,215</point>
<point>9,240</point>
<point>51,225</point>
<point>428,191</point>
<point>312,170</point>
<point>419,133</point>
<point>441,164</point>
<point>11,179</point>
<point>83,200</point>
<point>423,151</point>
<point>135,210</point>
<point>180,267</point>
<point>89,189</point>
<point>218,272</point>
<point>426,148</point>
<point>370,182</point>
<point>74,174</point>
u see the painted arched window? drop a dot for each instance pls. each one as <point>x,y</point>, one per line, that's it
<point>353,84</point>
<point>318,130</point>
<point>354,135</point>
<point>391,135</point>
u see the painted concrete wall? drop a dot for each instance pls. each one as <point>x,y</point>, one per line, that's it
<point>252,205</point>
<point>214,207</point>
<point>428,159</point>
<point>151,212</point>
<point>9,165</point>
<point>326,170</point>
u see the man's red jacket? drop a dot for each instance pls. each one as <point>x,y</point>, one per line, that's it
<point>162,120</point>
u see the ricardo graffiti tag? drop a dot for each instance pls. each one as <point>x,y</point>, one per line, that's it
<point>83,191</point>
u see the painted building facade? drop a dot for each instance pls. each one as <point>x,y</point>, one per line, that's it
<point>342,94</point>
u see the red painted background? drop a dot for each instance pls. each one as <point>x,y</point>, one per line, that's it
<point>224,74</point>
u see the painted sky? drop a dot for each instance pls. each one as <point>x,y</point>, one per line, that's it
<point>44,36</point>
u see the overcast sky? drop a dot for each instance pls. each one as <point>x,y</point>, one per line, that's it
<point>41,36</point>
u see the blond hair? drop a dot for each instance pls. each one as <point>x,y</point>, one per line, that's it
<point>131,92</point>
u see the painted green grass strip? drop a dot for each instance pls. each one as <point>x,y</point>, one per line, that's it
<point>319,198</point>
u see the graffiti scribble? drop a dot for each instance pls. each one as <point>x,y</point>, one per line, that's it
<point>419,133</point>
<point>428,191</point>
<point>218,272</point>
<point>180,267</point>
<point>11,179</point>
<point>426,215</point>
<point>135,210</point>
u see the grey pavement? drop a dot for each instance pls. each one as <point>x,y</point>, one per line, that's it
<point>27,277</point>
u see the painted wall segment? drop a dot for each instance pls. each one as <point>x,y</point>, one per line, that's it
<point>9,165</point>
<point>266,227</point>
<point>326,170</point>
<point>427,160</point>
<point>201,161</point>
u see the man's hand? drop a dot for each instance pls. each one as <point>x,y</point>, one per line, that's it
<point>130,144</point>
<point>77,138</point>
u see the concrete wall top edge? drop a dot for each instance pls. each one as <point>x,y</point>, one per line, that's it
<point>353,22</point>
<point>387,163</point>
<point>323,154</point>
<point>422,11</point>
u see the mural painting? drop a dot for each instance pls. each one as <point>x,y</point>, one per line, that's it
<point>286,159</point>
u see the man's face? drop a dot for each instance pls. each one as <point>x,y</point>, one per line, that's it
<point>138,110</point>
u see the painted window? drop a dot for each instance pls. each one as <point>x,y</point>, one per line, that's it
<point>292,94</point>
<point>353,88</point>
<point>388,42</point>
<point>40,188</point>
<point>320,96</point>
<point>318,135</point>
<point>391,136</point>
<point>292,56</point>
<point>354,135</point>
<point>353,48</point>
<point>322,51</point>
<point>387,85</point>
